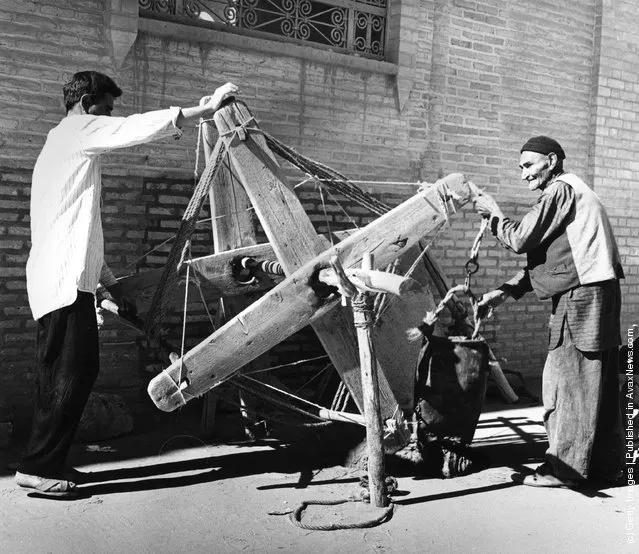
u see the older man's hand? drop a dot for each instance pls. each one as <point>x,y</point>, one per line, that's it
<point>486,206</point>
<point>489,301</point>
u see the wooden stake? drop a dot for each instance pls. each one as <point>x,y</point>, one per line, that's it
<point>363,316</point>
<point>362,303</point>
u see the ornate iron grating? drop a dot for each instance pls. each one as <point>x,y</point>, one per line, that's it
<point>355,26</point>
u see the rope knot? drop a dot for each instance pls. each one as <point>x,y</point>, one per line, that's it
<point>239,132</point>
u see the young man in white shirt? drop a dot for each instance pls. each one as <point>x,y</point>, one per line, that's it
<point>66,262</point>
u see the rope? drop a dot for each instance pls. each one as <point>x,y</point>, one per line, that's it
<point>373,182</point>
<point>280,399</point>
<point>200,132</point>
<point>272,418</point>
<point>324,174</point>
<point>288,395</point>
<point>296,516</point>
<point>198,284</point>
<point>198,222</point>
<point>317,375</point>
<point>326,220</point>
<point>185,309</point>
<point>471,268</point>
<point>341,397</point>
<point>253,386</point>
<point>290,364</point>
<point>471,265</point>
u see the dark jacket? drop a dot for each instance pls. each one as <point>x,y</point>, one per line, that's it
<point>572,257</point>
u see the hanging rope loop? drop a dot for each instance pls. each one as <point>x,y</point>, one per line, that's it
<point>471,267</point>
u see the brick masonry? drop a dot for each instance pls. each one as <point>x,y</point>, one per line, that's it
<point>473,80</point>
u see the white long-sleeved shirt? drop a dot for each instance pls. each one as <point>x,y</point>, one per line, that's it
<point>67,245</point>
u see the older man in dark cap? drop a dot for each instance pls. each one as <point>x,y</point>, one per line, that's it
<point>573,260</point>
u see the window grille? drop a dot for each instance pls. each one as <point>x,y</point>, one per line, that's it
<point>354,26</point>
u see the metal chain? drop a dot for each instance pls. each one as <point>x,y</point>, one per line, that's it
<point>472,266</point>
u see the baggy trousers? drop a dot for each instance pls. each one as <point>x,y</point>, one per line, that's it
<point>67,365</point>
<point>581,411</point>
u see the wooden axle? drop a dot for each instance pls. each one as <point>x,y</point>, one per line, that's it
<point>368,280</point>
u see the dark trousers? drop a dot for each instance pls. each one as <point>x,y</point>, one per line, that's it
<point>582,417</point>
<point>67,365</point>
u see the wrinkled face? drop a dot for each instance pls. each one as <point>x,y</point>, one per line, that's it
<point>536,169</point>
<point>104,106</point>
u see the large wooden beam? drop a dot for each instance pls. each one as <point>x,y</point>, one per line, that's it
<point>233,227</point>
<point>293,237</point>
<point>294,303</point>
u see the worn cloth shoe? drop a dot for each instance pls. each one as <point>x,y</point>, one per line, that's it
<point>47,487</point>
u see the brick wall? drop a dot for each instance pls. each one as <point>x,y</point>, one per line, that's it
<point>616,139</point>
<point>484,76</point>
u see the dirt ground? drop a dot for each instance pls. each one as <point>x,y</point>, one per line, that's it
<point>167,490</point>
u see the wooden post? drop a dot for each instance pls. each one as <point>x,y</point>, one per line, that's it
<point>363,317</point>
<point>362,303</point>
<point>233,227</point>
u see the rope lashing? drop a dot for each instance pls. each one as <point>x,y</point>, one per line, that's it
<point>239,132</point>
<point>363,311</point>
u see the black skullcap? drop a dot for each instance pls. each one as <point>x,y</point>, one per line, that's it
<point>544,145</point>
